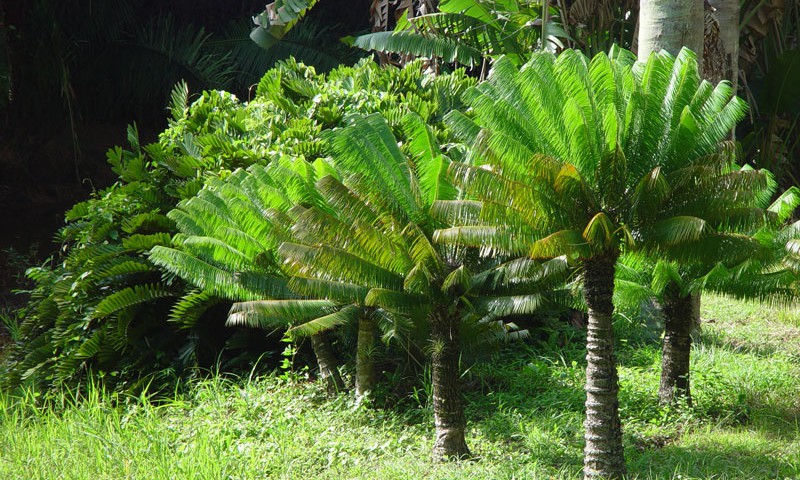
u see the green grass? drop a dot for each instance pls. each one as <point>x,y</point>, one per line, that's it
<point>525,419</point>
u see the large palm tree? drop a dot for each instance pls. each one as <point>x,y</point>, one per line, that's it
<point>592,158</point>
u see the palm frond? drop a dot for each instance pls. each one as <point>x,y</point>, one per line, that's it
<point>418,45</point>
<point>329,290</point>
<point>276,19</point>
<point>129,297</point>
<point>278,313</point>
<point>347,314</point>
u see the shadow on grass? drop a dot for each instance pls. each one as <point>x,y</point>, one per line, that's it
<point>718,461</point>
<point>736,345</point>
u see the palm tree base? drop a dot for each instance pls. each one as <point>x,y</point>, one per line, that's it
<point>679,313</point>
<point>328,365</point>
<point>365,364</point>
<point>448,406</point>
<point>450,444</point>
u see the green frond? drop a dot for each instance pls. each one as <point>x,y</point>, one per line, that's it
<point>430,164</point>
<point>179,101</point>
<point>784,206</point>
<point>419,280</point>
<point>344,201</point>
<point>410,305</point>
<point>498,307</point>
<point>119,269</point>
<point>329,290</point>
<point>393,327</point>
<point>142,243</point>
<point>217,252</point>
<point>346,315</point>
<point>189,308</point>
<point>611,177</point>
<point>334,264</point>
<point>367,147</point>
<point>421,249</point>
<point>458,282</point>
<point>147,222</point>
<point>418,45</point>
<point>276,19</point>
<point>129,297</point>
<point>461,126</point>
<point>629,295</point>
<point>91,346</point>
<point>564,242</point>
<point>664,275</point>
<point>600,233</point>
<point>713,247</point>
<point>490,240</point>
<point>650,194</point>
<point>278,313</point>
<point>218,281</point>
<point>677,230</point>
<point>457,212</point>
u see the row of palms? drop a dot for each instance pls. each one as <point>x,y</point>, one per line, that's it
<point>570,164</point>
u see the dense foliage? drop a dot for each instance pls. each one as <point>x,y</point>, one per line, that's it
<point>420,207</point>
<point>105,307</point>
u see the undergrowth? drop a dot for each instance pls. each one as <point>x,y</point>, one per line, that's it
<point>525,411</point>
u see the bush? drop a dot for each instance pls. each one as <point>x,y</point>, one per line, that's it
<point>103,309</point>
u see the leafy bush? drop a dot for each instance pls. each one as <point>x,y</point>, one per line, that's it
<point>103,307</point>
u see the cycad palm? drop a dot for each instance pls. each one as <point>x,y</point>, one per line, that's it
<point>382,242</point>
<point>592,158</point>
<point>229,236</point>
<point>767,276</point>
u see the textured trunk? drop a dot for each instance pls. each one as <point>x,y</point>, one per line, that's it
<point>696,323</point>
<point>727,16</point>
<point>670,25</point>
<point>448,406</point>
<point>328,365</point>
<point>679,318</point>
<point>365,350</point>
<point>603,456</point>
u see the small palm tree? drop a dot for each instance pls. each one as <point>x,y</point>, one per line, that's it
<point>592,158</point>
<point>382,241</point>
<point>230,232</point>
<point>764,273</point>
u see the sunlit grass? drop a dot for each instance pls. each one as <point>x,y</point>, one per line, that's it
<point>525,419</point>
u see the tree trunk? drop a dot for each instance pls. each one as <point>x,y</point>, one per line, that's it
<point>670,25</point>
<point>727,16</point>
<point>679,319</point>
<point>603,456</point>
<point>448,406</point>
<point>365,350</point>
<point>328,365</point>
<point>696,323</point>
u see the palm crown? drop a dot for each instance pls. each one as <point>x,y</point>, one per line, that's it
<point>590,158</point>
<point>584,156</point>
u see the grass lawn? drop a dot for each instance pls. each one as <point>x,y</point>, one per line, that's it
<point>525,418</point>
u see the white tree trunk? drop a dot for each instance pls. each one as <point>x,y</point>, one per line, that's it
<point>670,25</point>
